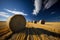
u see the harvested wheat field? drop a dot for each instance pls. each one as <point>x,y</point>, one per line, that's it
<point>48,31</point>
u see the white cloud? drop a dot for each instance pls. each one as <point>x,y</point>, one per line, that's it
<point>14,9</point>
<point>45,1</point>
<point>16,12</point>
<point>50,3</point>
<point>52,13</point>
<point>4,14</point>
<point>37,5</point>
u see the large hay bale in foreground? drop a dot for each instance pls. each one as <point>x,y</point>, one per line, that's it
<point>16,23</point>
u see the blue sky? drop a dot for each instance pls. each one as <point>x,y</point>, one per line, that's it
<point>31,9</point>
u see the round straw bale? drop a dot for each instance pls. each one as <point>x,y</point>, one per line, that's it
<point>16,23</point>
<point>42,21</point>
<point>35,21</point>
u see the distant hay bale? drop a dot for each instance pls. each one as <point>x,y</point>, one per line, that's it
<point>34,21</point>
<point>42,21</point>
<point>16,23</point>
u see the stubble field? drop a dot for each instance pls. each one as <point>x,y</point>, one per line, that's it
<point>33,31</point>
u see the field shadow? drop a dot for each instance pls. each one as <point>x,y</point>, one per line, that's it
<point>35,31</point>
<point>39,31</point>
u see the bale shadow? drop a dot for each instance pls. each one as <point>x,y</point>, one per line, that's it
<point>39,31</point>
<point>35,31</point>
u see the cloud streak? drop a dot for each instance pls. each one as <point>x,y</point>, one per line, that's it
<point>50,3</point>
<point>16,12</point>
<point>52,13</point>
<point>37,5</point>
<point>4,14</point>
